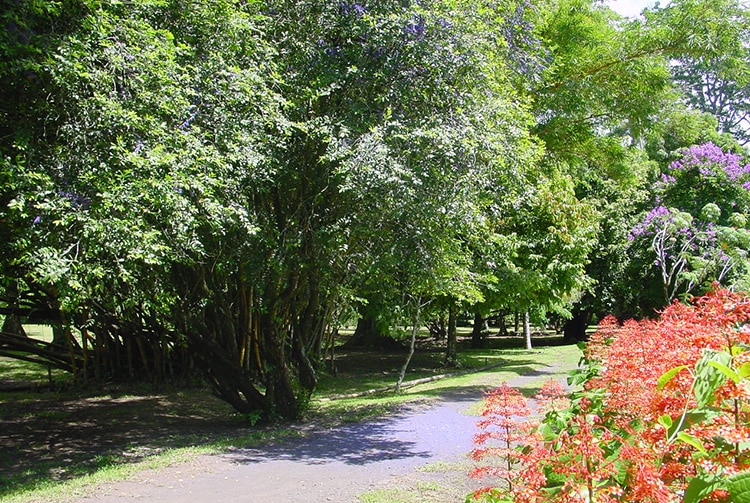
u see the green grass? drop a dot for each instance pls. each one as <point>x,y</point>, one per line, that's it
<point>27,372</point>
<point>518,362</point>
<point>33,374</point>
<point>42,332</point>
<point>418,491</point>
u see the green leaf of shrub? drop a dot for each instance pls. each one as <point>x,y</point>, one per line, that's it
<point>739,487</point>
<point>691,440</point>
<point>700,487</point>
<point>666,421</point>
<point>707,377</point>
<point>668,376</point>
<point>731,374</point>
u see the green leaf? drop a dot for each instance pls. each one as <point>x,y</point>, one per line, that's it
<point>666,421</point>
<point>739,487</point>
<point>731,374</point>
<point>546,432</point>
<point>707,377</point>
<point>700,487</point>
<point>744,370</point>
<point>691,440</point>
<point>668,376</point>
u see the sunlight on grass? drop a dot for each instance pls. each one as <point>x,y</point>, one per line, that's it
<point>541,363</point>
<point>445,466</point>
<point>391,496</point>
<point>419,492</point>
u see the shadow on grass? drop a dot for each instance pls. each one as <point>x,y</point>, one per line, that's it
<point>56,437</point>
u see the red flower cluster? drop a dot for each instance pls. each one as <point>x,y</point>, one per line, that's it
<point>663,416</point>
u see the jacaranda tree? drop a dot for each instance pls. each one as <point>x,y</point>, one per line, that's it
<point>697,229</point>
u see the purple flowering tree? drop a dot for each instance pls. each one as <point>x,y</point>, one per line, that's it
<point>697,226</point>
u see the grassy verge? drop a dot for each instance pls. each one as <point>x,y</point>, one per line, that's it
<point>165,428</point>
<point>544,363</point>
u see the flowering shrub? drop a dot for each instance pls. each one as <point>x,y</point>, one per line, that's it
<point>663,415</point>
<point>504,425</point>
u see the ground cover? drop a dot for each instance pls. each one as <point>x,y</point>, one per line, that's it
<point>65,435</point>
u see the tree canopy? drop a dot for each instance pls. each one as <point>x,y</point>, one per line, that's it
<point>209,185</point>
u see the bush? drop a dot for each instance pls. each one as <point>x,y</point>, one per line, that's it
<point>663,416</point>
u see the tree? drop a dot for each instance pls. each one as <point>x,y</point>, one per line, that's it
<point>697,228</point>
<point>717,81</point>
<point>554,233</point>
<point>135,178</point>
<point>606,91</point>
<point>208,180</point>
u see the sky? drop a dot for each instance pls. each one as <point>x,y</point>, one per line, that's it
<point>630,8</point>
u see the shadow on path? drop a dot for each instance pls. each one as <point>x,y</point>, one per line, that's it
<point>413,433</point>
<point>353,444</point>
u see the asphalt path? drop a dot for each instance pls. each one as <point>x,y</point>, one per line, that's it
<point>338,463</point>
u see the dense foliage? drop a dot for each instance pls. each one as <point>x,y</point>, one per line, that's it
<point>214,186</point>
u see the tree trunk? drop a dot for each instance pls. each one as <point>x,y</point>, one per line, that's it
<point>369,335</point>
<point>307,376</point>
<point>451,353</point>
<point>227,378</point>
<point>477,334</point>
<point>527,329</point>
<point>503,328</point>
<point>412,344</point>
<point>574,329</point>
<point>279,388</point>
<point>12,323</point>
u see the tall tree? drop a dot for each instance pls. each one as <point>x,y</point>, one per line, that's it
<point>717,79</point>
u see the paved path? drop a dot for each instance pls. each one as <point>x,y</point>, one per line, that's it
<point>337,464</point>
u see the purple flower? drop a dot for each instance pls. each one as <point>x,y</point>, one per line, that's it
<point>417,28</point>
<point>359,10</point>
<point>657,215</point>
<point>709,159</point>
